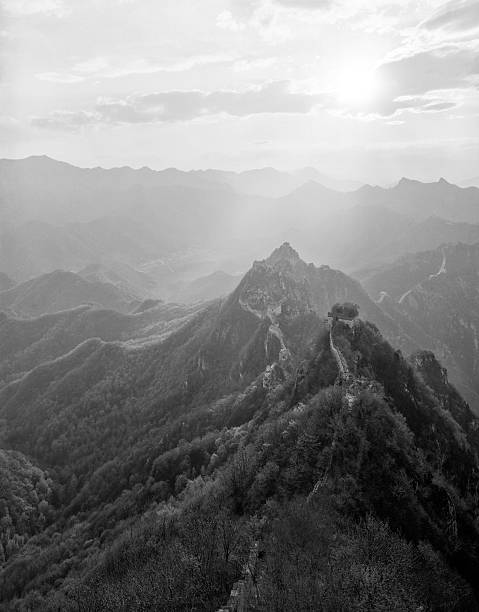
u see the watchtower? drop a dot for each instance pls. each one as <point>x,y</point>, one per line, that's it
<point>344,312</point>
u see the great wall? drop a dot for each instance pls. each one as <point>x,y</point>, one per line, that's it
<point>243,595</point>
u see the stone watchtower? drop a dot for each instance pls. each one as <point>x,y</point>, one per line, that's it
<point>346,312</point>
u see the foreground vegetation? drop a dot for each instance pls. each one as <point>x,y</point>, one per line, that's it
<point>169,523</point>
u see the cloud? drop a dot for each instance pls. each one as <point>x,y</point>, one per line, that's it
<point>274,97</point>
<point>437,107</point>
<point>65,120</point>
<point>92,66</point>
<point>172,106</point>
<point>107,68</point>
<point>306,4</point>
<point>295,4</point>
<point>245,64</point>
<point>428,81</point>
<point>58,77</point>
<point>425,82</point>
<point>455,16</point>
<point>226,21</point>
<point>392,109</point>
<point>418,104</point>
<point>447,67</point>
<point>56,8</point>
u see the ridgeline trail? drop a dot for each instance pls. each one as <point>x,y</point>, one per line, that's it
<point>352,386</point>
<point>244,592</point>
<point>349,383</point>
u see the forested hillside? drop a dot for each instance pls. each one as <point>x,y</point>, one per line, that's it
<point>26,343</point>
<point>155,469</point>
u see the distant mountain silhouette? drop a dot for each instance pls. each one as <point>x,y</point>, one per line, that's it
<point>271,183</point>
<point>149,220</point>
<point>61,290</point>
<point>312,174</point>
<point>40,188</point>
<point>421,200</point>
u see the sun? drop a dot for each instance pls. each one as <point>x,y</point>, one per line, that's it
<point>357,84</point>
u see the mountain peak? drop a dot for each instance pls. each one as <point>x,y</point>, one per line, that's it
<point>404,181</point>
<point>284,253</point>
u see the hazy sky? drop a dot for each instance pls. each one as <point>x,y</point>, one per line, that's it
<point>371,89</point>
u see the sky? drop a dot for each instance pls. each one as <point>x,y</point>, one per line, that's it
<point>369,90</point>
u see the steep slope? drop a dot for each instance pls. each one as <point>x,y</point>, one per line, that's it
<point>61,290</point>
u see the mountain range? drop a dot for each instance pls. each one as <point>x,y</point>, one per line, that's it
<point>156,450</point>
<point>178,226</point>
<point>39,187</point>
<point>171,414</point>
<point>422,200</point>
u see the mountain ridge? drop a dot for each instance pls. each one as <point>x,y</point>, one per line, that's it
<point>62,290</point>
<point>255,419</point>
